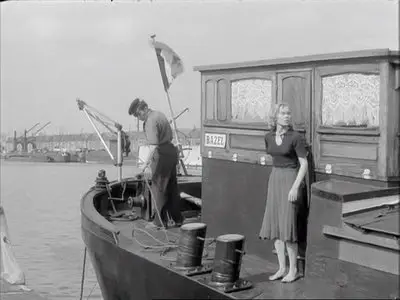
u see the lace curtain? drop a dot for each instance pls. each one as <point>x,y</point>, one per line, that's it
<point>350,100</point>
<point>251,100</point>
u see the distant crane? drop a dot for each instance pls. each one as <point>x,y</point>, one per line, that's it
<point>27,144</point>
<point>32,127</point>
<point>41,128</point>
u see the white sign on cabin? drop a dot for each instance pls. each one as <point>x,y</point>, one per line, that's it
<point>216,140</point>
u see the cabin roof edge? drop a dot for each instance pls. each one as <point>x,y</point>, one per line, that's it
<point>383,52</point>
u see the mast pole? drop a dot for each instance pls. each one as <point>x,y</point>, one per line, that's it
<point>178,145</point>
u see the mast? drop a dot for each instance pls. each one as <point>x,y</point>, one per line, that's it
<point>174,127</point>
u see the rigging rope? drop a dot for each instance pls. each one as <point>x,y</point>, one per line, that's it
<point>83,272</point>
<point>83,277</point>
<point>104,123</point>
<point>91,291</point>
<point>101,114</point>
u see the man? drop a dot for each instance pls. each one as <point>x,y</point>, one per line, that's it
<point>161,161</point>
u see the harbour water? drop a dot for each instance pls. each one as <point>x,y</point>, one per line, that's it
<point>42,206</point>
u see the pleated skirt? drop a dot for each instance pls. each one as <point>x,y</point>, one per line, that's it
<point>280,216</point>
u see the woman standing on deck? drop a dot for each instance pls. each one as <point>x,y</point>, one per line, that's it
<point>289,157</point>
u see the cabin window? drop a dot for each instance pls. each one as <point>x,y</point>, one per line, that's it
<point>210,94</point>
<point>350,100</point>
<point>222,99</point>
<point>251,100</point>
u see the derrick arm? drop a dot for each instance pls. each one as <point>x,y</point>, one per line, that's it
<point>32,127</point>
<point>41,128</point>
<point>114,127</point>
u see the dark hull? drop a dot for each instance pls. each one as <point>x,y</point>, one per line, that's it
<point>123,275</point>
<point>28,158</point>
<point>42,157</point>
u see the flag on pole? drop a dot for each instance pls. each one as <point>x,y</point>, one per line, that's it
<point>169,62</point>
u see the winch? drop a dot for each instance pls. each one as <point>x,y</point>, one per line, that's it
<point>142,199</point>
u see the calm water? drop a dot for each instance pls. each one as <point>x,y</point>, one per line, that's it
<point>42,206</point>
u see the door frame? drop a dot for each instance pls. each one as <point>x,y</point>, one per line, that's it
<point>308,74</point>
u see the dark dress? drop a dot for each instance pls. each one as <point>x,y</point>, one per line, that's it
<point>163,167</point>
<point>280,217</point>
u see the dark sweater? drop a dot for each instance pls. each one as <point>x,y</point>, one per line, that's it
<point>286,155</point>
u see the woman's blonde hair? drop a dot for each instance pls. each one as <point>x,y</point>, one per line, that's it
<point>274,113</point>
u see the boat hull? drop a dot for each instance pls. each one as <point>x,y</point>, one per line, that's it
<point>126,271</point>
<point>28,157</point>
<point>123,275</point>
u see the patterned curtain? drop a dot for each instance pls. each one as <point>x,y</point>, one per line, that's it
<point>251,100</point>
<point>350,100</point>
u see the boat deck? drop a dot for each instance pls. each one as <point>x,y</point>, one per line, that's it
<point>134,236</point>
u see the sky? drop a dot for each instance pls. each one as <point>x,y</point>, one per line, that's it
<point>55,52</point>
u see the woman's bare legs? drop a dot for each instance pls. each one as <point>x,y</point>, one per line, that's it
<point>280,251</point>
<point>292,253</point>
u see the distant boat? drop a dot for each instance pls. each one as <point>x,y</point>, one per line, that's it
<point>28,157</point>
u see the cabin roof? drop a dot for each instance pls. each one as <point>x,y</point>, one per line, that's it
<point>372,53</point>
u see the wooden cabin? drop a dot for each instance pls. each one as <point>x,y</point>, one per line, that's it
<point>347,106</point>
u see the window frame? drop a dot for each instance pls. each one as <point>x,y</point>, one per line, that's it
<point>229,79</point>
<point>327,71</point>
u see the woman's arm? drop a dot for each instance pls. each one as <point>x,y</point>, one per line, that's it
<point>301,173</point>
<point>293,193</point>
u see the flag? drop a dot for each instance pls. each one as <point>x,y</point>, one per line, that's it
<point>169,62</point>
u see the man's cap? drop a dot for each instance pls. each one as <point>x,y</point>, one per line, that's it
<point>133,107</point>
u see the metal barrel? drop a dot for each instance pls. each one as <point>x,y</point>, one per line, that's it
<point>228,258</point>
<point>191,245</point>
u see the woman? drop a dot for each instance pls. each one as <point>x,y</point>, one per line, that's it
<point>289,157</point>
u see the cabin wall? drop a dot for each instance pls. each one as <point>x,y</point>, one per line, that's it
<point>236,198</point>
<point>355,94</point>
<point>347,109</point>
<point>348,112</point>
<point>393,146</point>
<point>333,254</point>
<point>324,211</point>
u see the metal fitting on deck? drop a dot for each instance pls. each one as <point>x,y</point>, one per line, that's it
<point>101,180</point>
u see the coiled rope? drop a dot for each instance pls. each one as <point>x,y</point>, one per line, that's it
<point>162,245</point>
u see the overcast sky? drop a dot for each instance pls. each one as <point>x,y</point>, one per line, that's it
<point>52,53</point>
